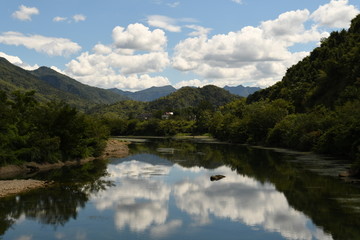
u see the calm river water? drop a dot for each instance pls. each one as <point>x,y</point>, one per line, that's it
<point>163,191</point>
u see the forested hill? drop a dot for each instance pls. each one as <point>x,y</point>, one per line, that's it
<point>50,85</point>
<point>191,97</point>
<point>330,76</point>
<point>186,99</point>
<point>67,84</point>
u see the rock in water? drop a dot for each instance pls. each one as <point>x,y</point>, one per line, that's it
<point>216,177</point>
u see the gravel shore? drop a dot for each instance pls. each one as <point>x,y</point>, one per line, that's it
<point>114,149</point>
<point>9,187</point>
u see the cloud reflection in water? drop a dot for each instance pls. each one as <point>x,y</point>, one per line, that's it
<point>144,192</point>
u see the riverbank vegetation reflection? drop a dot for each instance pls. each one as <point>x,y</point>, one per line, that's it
<point>163,191</point>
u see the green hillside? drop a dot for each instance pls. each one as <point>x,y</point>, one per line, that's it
<point>69,85</point>
<point>191,97</point>
<point>15,78</point>
<point>51,85</point>
<point>316,106</point>
<point>330,76</point>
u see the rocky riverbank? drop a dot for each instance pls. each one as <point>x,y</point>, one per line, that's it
<point>114,149</point>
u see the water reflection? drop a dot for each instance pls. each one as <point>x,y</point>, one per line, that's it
<point>242,199</point>
<point>56,205</point>
<point>162,194</point>
<point>143,190</point>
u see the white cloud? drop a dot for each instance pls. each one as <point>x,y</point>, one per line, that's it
<point>241,199</point>
<point>140,216</point>
<point>138,37</point>
<point>192,83</point>
<point>166,229</point>
<point>336,14</point>
<point>174,4</point>
<point>79,17</point>
<point>49,45</point>
<point>106,68</point>
<point>18,62</point>
<point>57,69</point>
<point>163,22</point>
<point>257,56</point>
<point>109,70</point>
<point>102,49</point>
<point>59,19</point>
<point>119,65</point>
<point>25,13</point>
<point>199,30</point>
<point>238,1</point>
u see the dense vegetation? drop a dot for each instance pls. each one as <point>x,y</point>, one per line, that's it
<point>30,131</point>
<point>191,107</point>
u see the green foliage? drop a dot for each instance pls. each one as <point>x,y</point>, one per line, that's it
<point>329,76</point>
<point>243,123</point>
<point>46,133</point>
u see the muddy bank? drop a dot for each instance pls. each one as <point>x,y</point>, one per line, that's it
<point>114,149</point>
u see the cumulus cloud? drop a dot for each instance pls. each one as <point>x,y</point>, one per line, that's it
<point>139,37</point>
<point>79,17</point>
<point>199,30</point>
<point>336,14</point>
<point>163,22</point>
<point>18,62</point>
<point>107,69</point>
<point>59,19</point>
<point>120,64</point>
<point>192,83</point>
<point>256,55</point>
<point>25,13</point>
<point>49,45</point>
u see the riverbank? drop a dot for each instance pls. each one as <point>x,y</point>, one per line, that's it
<point>114,149</point>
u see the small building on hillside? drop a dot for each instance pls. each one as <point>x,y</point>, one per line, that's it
<point>167,115</point>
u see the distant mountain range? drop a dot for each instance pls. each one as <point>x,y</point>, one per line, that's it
<point>51,85</point>
<point>146,95</point>
<point>153,93</point>
<point>241,90</point>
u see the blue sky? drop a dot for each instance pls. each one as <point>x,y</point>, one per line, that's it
<point>138,44</point>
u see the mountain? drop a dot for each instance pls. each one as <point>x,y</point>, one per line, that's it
<point>51,85</point>
<point>241,90</point>
<point>185,98</point>
<point>329,76</point>
<point>69,85</point>
<point>146,95</point>
<point>15,78</point>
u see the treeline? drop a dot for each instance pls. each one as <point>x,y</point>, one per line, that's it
<point>50,132</point>
<point>274,123</point>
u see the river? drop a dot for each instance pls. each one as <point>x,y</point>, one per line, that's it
<point>163,191</point>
